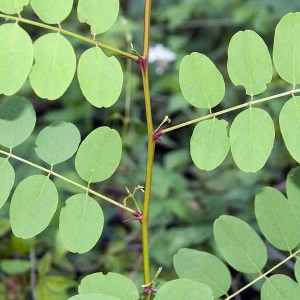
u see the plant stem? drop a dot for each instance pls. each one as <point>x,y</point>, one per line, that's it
<point>237,107</point>
<point>151,147</point>
<point>69,33</point>
<point>51,172</point>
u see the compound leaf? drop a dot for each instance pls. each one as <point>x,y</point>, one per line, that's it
<point>7,179</point>
<point>184,289</point>
<point>251,137</point>
<point>100,77</point>
<point>201,82</point>
<point>99,155</point>
<point>55,66</point>
<point>16,58</point>
<point>203,267</point>
<point>33,205</point>
<point>57,142</point>
<point>286,50</point>
<point>277,220</point>
<point>52,11</point>
<point>289,120</point>
<point>93,297</point>
<point>247,53</point>
<point>240,245</point>
<point>80,223</point>
<point>111,284</point>
<point>100,15</point>
<point>12,6</point>
<point>209,144</point>
<point>17,121</point>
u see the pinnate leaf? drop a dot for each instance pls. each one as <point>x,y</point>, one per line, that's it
<point>7,179</point>
<point>286,50</point>
<point>54,68</point>
<point>57,142</point>
<point>205,268</point>
<point>100,77</point>
<point>80,223</point>
<point>33,205</point>
<point>16,58</point>
<point>100,15</point>
<point>17,121</point>
<point>240,245</point>
<point>247,53</point>
<point>252,136</point>
<point>12,6</point>
<point>209,144</point>
<point>99,155</point>
<point>52,11</point>
<point>201,82</point>
<point>111,284</point>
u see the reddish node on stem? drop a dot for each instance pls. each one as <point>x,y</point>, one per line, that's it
<point>137,216</point>
<point>149,290</point>
<point>142,63</point>
<point>157,134</point>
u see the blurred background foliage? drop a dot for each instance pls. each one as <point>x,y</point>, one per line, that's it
<point>185,200</point>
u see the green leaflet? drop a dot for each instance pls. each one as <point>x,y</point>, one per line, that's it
<point>205,268</point>
<point>17,121</point>
<point>111,284</point>
<point>297,269</point>
<point>201,82</point>
<point>81,223</point>
<point>33,205</point>
<point>12,6</point>
<point>7,179</point>
<point>93,297</point>
<point>52,11</point>
<point>240,245</point>
<point>252,136</point>
<point>247,53</point>
<point>100,15</point>
<point>54,68</point>
<point>184,289</point>
<point>209,144</point>
<point>289,120</point>
<point>99,155</point>
<point>57,142</point>
<point>280,287</point>
<point>15,266</point>
<point>293,185</point>
<point>286,50</point>
<point>100,77</point>
<point>16,58</point>
<point>277,220</point>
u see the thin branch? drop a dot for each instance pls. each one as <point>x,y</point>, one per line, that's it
<point>86,189</point>
<point>69,33</point>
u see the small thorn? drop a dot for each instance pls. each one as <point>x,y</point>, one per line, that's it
<point>137,216</point>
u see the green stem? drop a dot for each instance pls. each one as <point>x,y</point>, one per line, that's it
<point>237,107</point>
<point>51,172</point>
<point>69,33</point>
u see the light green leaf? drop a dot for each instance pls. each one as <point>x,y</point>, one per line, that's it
<point>111,284</point>
<point>205,268</point>
<point>52,11</point>
<point>81,223</point>
<point>57,142</point>
<point>33,205</point>
<point>293,185</point>
<point>297,269</point>
<point>276,218</point>
<point>209,144</point>
<point>16,58</point>
<point>54,68</point>
<point>93,297</point>
<point>100,15</point>
<point>59,283</point>
<point>280,287</point>
<point>12,6</point>
<point>252,136</point>
<point>289,120</point>
<point>99,155</point>
<point>17,121</point>
<point>240,245</point>
<point>15,266</point>
<point>7,179</point>
<point>100,77</point>
<point>247,53</point>
<point>286,50</point>
<point>184,289</point>
<point>201,82</point>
